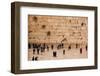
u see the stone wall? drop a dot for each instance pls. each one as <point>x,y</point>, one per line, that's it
<point>54,30</point>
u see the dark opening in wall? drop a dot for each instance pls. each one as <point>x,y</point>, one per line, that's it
<point>43,26</point>
<point>35,19</point>
<point>48,33</point>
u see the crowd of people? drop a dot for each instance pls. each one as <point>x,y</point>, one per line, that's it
<point>39,49</point>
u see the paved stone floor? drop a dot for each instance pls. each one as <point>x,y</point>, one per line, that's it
<point>73,53</point>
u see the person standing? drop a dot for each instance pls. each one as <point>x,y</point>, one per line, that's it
<point>54,54</point>
<point>52,47</point>
<point>63,52</point>
<point>33,50</point>
<point>38,51</point>
<point>33,58</point>
<point>80,50</point>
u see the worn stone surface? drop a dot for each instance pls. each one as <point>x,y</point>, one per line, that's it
<point>54,30</point>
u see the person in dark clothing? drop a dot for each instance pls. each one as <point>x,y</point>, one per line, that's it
<point>48,48</point>
<point>33,45</point>
<point>54,54</point>
<point>86,47</point>
<point>38,51</point>
<point>62,45</point>
<point>58,47</point>
<point>36,58</point>
<point>76,45</point>
<point>69,47</point>
<point>80,50</point>
<point>42,50</point>
<point>63,52</point>
<point>29,45</point>
<point>33,51</point>
<point>44,45</point>
<point>33,58</point>
<point>52,47</point>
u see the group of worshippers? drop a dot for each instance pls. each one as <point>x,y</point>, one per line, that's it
<point>41,48</point>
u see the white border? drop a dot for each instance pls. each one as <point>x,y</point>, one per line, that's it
<point>25,64</point>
